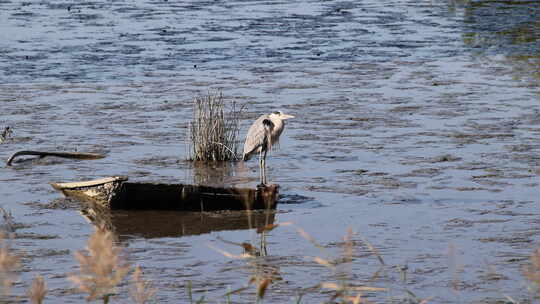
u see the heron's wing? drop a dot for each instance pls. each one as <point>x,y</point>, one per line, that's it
<point>257,135</point>
<point>268,129</point>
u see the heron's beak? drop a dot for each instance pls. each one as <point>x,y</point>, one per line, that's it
<point>286,116</point>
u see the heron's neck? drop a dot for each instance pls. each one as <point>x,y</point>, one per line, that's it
<point>278,124</point>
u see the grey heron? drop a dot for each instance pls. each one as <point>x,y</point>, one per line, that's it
<point>262,135</point>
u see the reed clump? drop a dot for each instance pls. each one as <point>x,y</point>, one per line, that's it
<point>532,272</point>
<point>214,128</point>
<point>38,290</point>
<point>141,291</point>
<point>9,263</point>
<point>344,289</point>
<point>102,268</point>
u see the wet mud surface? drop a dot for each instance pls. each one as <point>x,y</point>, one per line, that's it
<point>417,124</point>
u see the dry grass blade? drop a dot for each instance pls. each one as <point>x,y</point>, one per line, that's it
<point>102,268</point>
<point>323,262</point>
<point>9,263</point>
<point>267,228</point>
<point>338,287</point>
<point>344,291</point>
<point>214,131</point>
<point>510,299</point>
<point>261,288</point>
<point>454,267</point>
<point>38,290</point>
<point>141,291</point>
<point>230,255</point>
<point>377,274</point>
<point>367,288</point>
<point>271,227</point>
<point>426,301</point>
<point>332,286</point>
<point>236,291</point>
<point>532,271</point>
<point>375,252</point>
<point>8,225</point>
<point>308,237</point>
<point>357,299</point>
<point>249,249</point>
<point>348,250</point>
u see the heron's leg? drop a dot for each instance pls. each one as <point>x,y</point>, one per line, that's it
<point>261,162</point>
<point>264,167</point>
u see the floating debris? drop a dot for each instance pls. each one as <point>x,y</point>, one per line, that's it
<point>41,154</point>
<point>6,134</point>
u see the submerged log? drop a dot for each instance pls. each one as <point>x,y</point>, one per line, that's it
<point>117,193</point>
<point>41,154</point>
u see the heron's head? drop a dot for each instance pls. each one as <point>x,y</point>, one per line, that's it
<point>281,115</point>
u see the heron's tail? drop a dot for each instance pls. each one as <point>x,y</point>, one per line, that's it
<point>246,157</point>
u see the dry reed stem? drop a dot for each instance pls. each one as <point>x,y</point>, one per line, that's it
<point>236,291</point>
<point>270,227</point>
<point>262,286</point>
<point>214,131</point>
<point>334,286</point>
<point>9,263</point>
<point>249,249</point>
<point>375,252</point>
<point>8,221</point>
<point>38,290</point>
<point>102,269</point>
<point>454,267</point>
<point>230,255</point>
<point>344,288</point>
<point>267,228</point>
<point>309,238</point>
<point>141,291</point>
<point>262,283</point>
<point>323,262</point>
<point>532,271</point>
<point>262,279</point>
<point>348,250</point>
<point>356,300</point>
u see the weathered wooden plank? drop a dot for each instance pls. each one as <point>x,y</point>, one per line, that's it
<point>95,182</point>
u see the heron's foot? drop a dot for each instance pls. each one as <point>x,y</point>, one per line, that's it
<point>261,185</point>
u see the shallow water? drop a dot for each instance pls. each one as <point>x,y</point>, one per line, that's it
<point>417,125</point>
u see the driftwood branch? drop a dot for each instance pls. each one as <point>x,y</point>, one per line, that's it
<point>73,155</point>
